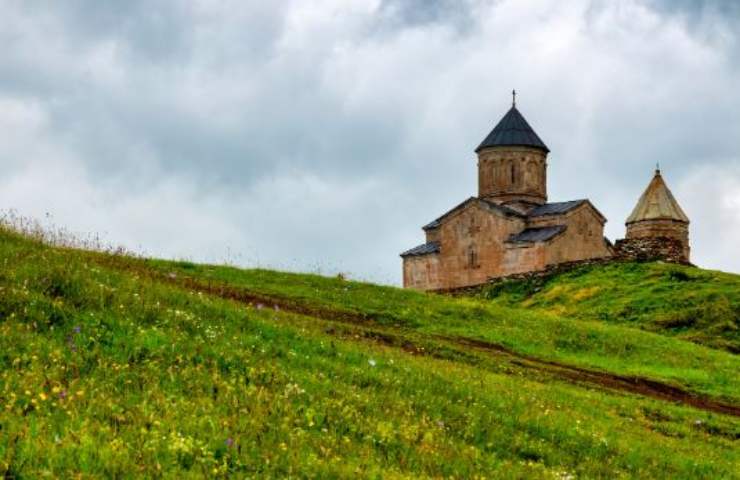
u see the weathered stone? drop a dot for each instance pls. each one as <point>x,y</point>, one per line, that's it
<point>658,215</point>
<point>651,248</point>
<point>513,175</point>
<point>509,230</point>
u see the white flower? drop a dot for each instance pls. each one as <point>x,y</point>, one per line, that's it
<point>371,362</point>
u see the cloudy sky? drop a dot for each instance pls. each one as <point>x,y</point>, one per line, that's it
<point>319,135</point>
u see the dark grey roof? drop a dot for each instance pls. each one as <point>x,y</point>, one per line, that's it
<point>425,249</point>
<point>432,225</point>
<point>555,208</point>
<point>513,130</point>
<point>502,208</point>
<point>539,234</point>
<point>490,205</point>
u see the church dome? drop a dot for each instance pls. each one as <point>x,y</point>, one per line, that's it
<point>513,131</point>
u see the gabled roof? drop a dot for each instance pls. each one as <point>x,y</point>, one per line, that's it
<point>485,203</point>
<point>657,203</point>
<point>555,208</point>
<point>425,249</point>
<point>512,130</point>
<point>559,208</point>
<point>537,234</point>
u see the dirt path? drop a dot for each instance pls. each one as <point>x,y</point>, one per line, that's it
<point>620,383</point>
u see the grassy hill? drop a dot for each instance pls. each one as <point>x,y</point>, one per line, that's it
<point>697,305</point>
<point>117,366</point>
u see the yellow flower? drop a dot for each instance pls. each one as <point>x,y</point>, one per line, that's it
<point>80,393</point>
<point>42,396</point>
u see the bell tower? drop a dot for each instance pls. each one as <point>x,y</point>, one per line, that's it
<point>658,215</point>
<point>512,163</point>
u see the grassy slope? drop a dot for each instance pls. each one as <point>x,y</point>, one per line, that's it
<point>591,344</point>
<point>701,306</point>
<point>108,372</point>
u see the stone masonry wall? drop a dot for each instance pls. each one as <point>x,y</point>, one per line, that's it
<point>422,272</point>
<point>625,250</point>
<point>660,229</point>
<point>645,249</point>
<point>508,174</point>
<point>472,245</point>
<point>548,271</point>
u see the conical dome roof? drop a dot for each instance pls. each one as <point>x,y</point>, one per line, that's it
<point>512,130</point>
<point>657,203</point>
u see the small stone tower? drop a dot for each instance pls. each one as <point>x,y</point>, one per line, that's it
<point>512,164</point>
<point>658,215</point>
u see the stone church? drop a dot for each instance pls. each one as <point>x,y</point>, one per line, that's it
<point>510,227</point>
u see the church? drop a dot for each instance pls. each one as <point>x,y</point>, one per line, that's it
<point>510,228</point>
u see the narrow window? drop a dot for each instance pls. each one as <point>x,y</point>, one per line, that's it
<point>513,174</point>
<point>472,258</point>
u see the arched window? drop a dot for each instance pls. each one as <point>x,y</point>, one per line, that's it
<point>472,257</point>
<point>513,173</point>
<point>532,172</point>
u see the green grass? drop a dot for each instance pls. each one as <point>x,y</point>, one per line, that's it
<point>700,306</point>
<point>110,371</point>
<point>591,344</point>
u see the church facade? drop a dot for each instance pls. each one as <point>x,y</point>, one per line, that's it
<point>511,228</point>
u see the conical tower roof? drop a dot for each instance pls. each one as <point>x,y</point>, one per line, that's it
<point>657,203</point>
<point>512,130</point>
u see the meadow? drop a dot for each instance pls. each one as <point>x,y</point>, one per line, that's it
<point>118,366</point>
<point>701,306</point>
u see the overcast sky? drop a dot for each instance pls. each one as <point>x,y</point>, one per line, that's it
<point>320,135</point>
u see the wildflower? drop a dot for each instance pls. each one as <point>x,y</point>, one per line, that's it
<point>77,329</point>
<point>63,394</point>
<point>229,442</point>
<point>371,362</point>
<point>259,306</point>
<point>42,396</point>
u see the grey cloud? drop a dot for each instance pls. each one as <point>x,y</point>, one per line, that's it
<point>698,7</point>
<point>716,21</point>
<point>414,13</point>
<point>327,135</point>
<point>268,134</point>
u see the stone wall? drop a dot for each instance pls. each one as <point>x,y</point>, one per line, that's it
<point>660,229</point>
<point>646,249</point>
<point>583,238</point>
<point>422,272</point>
<point>507,174</point>
<point>625,250</point>
<point>472,245</point>
<point>539,274</point>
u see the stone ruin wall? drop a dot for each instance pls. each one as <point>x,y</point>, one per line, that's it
<point>658,234</point>
<point>642,249</point>
<point>662,249</point>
